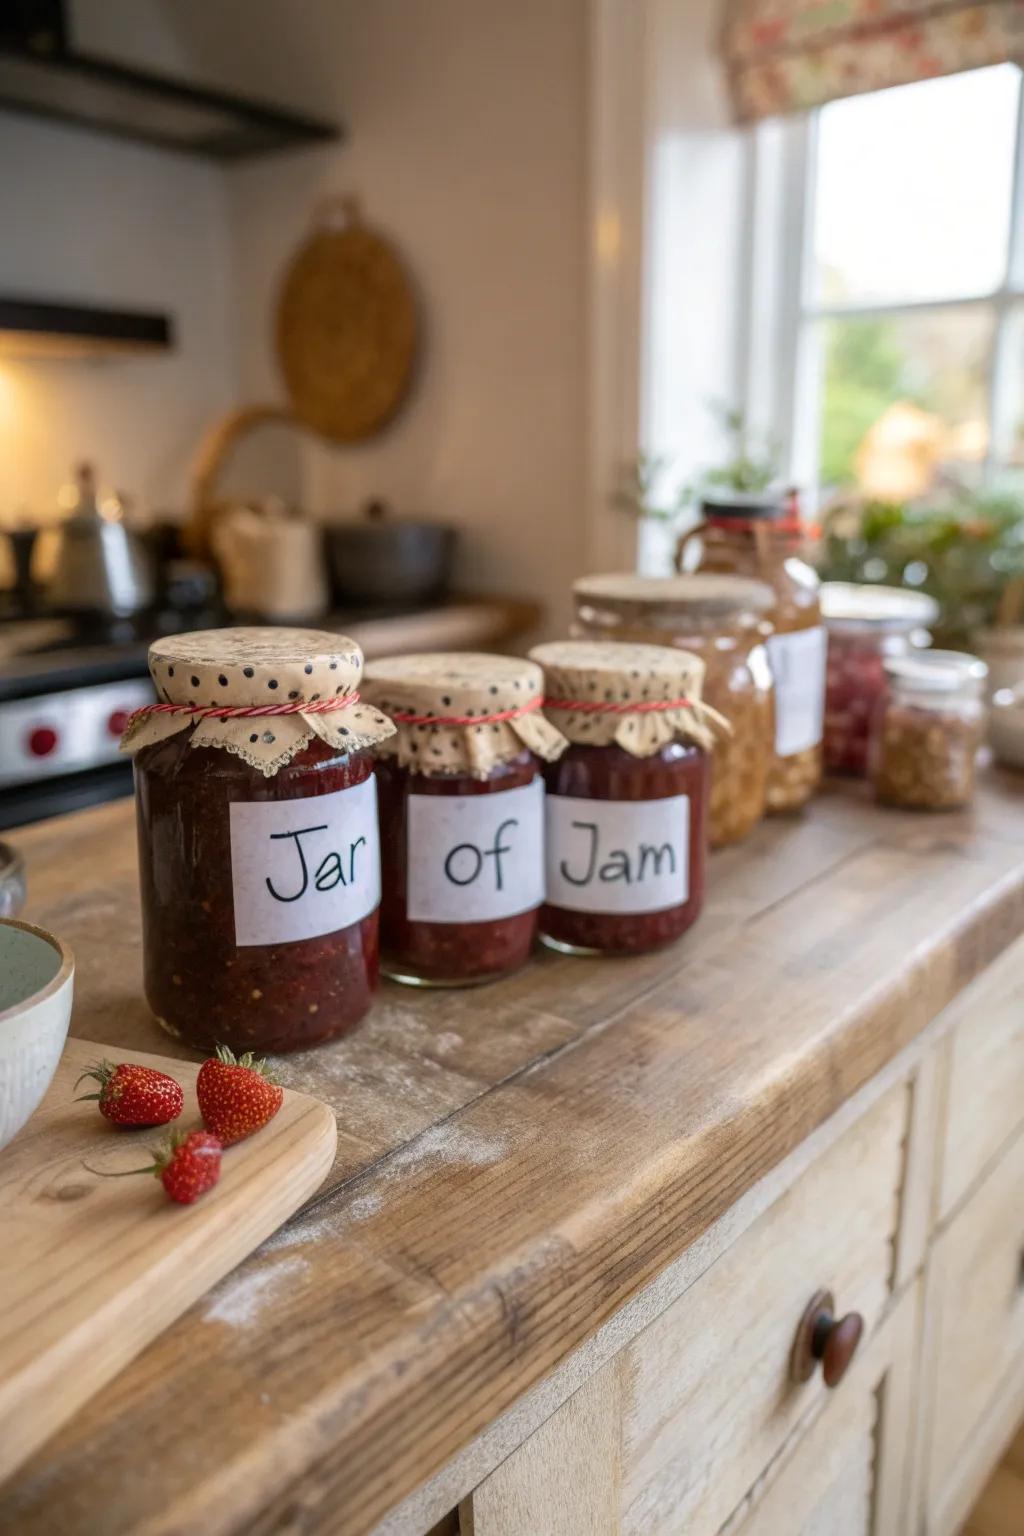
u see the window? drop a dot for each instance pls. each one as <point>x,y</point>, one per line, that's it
<point>909,309</point>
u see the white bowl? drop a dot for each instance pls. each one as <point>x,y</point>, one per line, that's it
<point>37,975</point>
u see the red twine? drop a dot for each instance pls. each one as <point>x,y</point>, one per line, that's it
<point>611,707</point>
<point>496,719</point>
<point>246,711</point>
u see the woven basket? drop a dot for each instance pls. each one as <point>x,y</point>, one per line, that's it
<point>346,327</point>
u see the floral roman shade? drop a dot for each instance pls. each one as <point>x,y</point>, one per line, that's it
<point>787,55</point>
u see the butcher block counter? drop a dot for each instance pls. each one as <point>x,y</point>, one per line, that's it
<point>554,1284</point>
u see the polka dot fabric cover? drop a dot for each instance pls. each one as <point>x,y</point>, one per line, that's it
<point>437,687</point>
<point>228,668</point>
<point>616,673</point>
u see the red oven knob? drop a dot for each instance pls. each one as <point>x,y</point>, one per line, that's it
<point>117,721</point>
<point>42,741</point>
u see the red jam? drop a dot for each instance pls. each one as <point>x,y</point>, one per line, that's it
<point>201,984</point>
<point>633,862</point>
<point>855,681</point>
<point>469,866</point>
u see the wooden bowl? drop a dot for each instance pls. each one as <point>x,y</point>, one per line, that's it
<point>37,974</point>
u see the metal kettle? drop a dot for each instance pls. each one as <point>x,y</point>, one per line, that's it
<point>100,565</point>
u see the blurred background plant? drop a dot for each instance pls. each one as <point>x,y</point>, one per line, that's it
<point>751,466</point>
<point>962,548</point>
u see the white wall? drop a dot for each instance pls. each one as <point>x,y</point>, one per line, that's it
<point>467,145</point>
<point>113,223</point>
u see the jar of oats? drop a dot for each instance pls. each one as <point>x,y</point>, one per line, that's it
<point>722,620</point>
<point>927,729</point>
<point>750,536</point>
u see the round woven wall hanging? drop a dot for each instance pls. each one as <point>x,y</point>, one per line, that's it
<point>346,327</point>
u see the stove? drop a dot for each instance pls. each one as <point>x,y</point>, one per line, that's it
<point>63,707</point>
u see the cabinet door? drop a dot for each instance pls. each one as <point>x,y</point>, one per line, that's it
<point>986,1074</point>
<point>975,1353</point>
<point>679,1430</point>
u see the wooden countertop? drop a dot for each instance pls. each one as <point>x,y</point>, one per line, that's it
<point>514,1163</point>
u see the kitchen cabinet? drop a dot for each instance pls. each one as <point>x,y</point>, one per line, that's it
<point>554,1282</point>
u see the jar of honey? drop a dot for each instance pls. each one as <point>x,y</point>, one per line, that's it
<point>259,859</point>
<point>722,620</point>
<point>626,812</point>
<point>750,536</point>
<point>462,814</point>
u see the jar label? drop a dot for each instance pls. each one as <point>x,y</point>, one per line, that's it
<point>798,668</point>
<point>475,858</point>
<point>618,855</point>
<point>302,868</point>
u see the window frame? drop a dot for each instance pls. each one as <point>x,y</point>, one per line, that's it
<point>784,382</point>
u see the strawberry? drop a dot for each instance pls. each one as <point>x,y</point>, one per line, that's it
<point>236,1096</point>
<point>134,1095</point>
<point>187,1165</point>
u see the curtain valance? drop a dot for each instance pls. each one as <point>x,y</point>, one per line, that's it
<point>787,55</point>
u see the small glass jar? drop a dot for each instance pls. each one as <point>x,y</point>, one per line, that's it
<point>927,729</point>
<point>751,536</point>
<point>721,619</point>
<point>258,849</point>
<point>626,810</point>
<point>866,627</point>
<point>462,815</point>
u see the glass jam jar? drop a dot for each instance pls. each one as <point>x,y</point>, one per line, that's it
<point>926,730</point>
<point>866,626</point>
<point>626,810</point>
<point>721,619</point>
<point>750,536</point>
<point>258,847</point>
<point>461,814</point>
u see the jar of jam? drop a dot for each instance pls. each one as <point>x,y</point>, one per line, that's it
<point>927,729</point>
<point>721,619</point>
<point>751,536</point>
<point>258,846</point>
<point>866,626</point>
<point>461,814</point>
<point>626,811</point>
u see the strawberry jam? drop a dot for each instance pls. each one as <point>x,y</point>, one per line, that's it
<point>454,847</point>
<point>247,882</point>
<point>626,848</point>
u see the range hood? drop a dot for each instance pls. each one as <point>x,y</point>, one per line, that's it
<point>43,74</point>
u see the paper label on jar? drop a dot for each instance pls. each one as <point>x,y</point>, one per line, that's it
<point>475,858</point>
<point>798,668</point>
<point>618,855</point>
<point>303,868</point>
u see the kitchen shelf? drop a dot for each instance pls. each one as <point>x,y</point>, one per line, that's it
<point>43,75</point>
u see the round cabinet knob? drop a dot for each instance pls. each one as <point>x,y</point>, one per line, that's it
<point>116,722</point>
<point>822,1336</point>
<point>42,741</point>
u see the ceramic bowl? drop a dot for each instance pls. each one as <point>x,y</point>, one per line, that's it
<point>37,975</point>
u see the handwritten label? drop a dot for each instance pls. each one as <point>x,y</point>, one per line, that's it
<point>618,855</point>
<point>475,858</point>
<point>302,868</point>
<point>798,667</point>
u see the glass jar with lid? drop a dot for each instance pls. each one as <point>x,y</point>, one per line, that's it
<point>258,847</point>
<point>626,810</point>
<point>866,626</point>
<point>722,620</point>
<point>926,730</point>
<point>462,814</point>
<point>751,536</point>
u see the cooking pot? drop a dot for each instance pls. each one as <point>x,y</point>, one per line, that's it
<point>379,558</point>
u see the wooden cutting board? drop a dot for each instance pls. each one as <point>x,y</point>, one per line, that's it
<point>91,1269</point>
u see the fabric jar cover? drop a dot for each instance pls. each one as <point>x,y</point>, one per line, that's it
<point>445,704</point>
<point>250,668</point>
<point>610,675</point>
<point>664,600</point>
